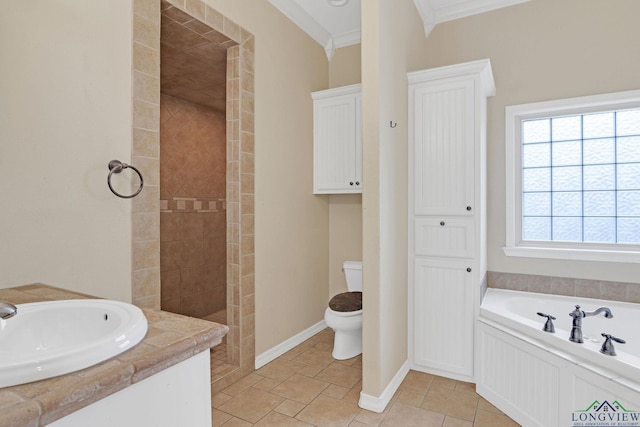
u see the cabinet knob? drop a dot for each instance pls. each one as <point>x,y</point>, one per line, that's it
<point>441,222</point>
<point>468,269</point>
<point>357,182</point>
<point>468,208</point>
<point>351,183</point>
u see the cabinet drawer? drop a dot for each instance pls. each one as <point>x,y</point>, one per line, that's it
<point>449,237</point>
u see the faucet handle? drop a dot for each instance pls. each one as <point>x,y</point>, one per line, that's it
<point>607,345</point>
<point>548,325</point>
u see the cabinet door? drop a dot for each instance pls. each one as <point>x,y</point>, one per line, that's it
<point>444,147</point>
<point>443,316</point>
<point>337,145</point>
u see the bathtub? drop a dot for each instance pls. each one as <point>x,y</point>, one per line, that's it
<point>543,379</point>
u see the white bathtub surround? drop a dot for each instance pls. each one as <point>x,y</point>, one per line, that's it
<point>543,379</point>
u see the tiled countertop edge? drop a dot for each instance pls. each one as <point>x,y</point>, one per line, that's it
<point>170,339</point>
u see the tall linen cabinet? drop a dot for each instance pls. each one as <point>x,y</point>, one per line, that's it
<point>447,214</point>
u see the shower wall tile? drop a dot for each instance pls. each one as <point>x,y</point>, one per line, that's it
<point>146,143</point>
<point>145,115</point>
<point>213,18</point>
<point>146,87</point>
<point>146,60</point>
<point>148,200</point>
<point>147,248</point>
<point>144,154</point>
<point>148,9</point>
<point>146,31</point>
<point>145,281</point>
<point>148,301</point>
<point>145,226</point>
<point>151,168</point>
<point>145,254</point>
<point>246,120</point>
<point>193,190</point>
<point>245,130</point>
<point>177,3</point>
<point>196,9</point>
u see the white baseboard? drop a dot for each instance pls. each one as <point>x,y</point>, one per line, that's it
<point>283,347</point>
<point>377,404</point>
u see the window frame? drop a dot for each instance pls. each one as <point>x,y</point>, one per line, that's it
<point>579,251</point>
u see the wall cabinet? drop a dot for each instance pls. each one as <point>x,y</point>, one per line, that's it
<point>337,141</point>
<point>447,226</point>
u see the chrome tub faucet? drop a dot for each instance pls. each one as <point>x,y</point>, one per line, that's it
<point>578,315</point>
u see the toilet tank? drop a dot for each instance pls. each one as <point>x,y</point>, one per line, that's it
<point>353,274</point>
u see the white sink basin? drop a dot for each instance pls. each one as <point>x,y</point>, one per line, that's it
<point>46,339</point>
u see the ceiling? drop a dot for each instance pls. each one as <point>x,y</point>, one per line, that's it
<point>193,59</point>
<point>337,26</point>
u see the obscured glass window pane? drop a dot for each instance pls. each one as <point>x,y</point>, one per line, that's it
<point>567,229</point>
<point>600,230</point>
<point>628,122</point>
<point>581,178</point>
<point>536,179</point>
<point>567,153</point>
<point>567,203</point>
<point>567,178</point>
<point>597,125</point>
<point>567,128</point>
<point>628,149</point>
<point>536,131</point>
<point>599,151</point>
<point>536,204</point>
<point>536,228</point>
<point>535,155</point>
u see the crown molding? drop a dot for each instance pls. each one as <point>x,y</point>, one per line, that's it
<point>430,12</point>
<point>432,16</point>
<point>427,14</point>
<point>307,23</point>
<point>347,39</point>
<point>468,8</point>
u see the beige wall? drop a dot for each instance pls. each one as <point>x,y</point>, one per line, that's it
<point>291,224</point>
<point>345,210</point>
<point>344,67</point>
<point>392,44</point>
<point>65,112</point>
<point>543,50</point>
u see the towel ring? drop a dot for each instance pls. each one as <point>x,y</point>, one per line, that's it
<point>116,166</point>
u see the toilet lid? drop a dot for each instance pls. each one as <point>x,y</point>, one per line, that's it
<point>346,301</point>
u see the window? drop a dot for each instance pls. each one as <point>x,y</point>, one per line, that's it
<point>573,178</point>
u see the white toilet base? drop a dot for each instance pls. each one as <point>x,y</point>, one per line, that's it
<point>347,342</point>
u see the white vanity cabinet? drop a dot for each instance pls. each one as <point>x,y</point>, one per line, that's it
<point>447,225</point>
<point>337,140</point>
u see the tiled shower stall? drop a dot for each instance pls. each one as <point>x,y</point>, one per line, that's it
<point>239,192</point>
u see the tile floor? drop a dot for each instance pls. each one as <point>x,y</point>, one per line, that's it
<point>219,366</point>
<point>307,387</point>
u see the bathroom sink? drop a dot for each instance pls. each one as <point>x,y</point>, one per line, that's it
<point>46,339</point>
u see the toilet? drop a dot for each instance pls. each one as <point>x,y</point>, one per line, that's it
<point>344,314</point>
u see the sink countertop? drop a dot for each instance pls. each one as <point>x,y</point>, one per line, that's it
<point>171,338</point>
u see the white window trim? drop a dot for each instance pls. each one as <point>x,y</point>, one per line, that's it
<point>514,115</point>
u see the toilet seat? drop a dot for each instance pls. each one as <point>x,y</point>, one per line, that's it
<point>346,302</point>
